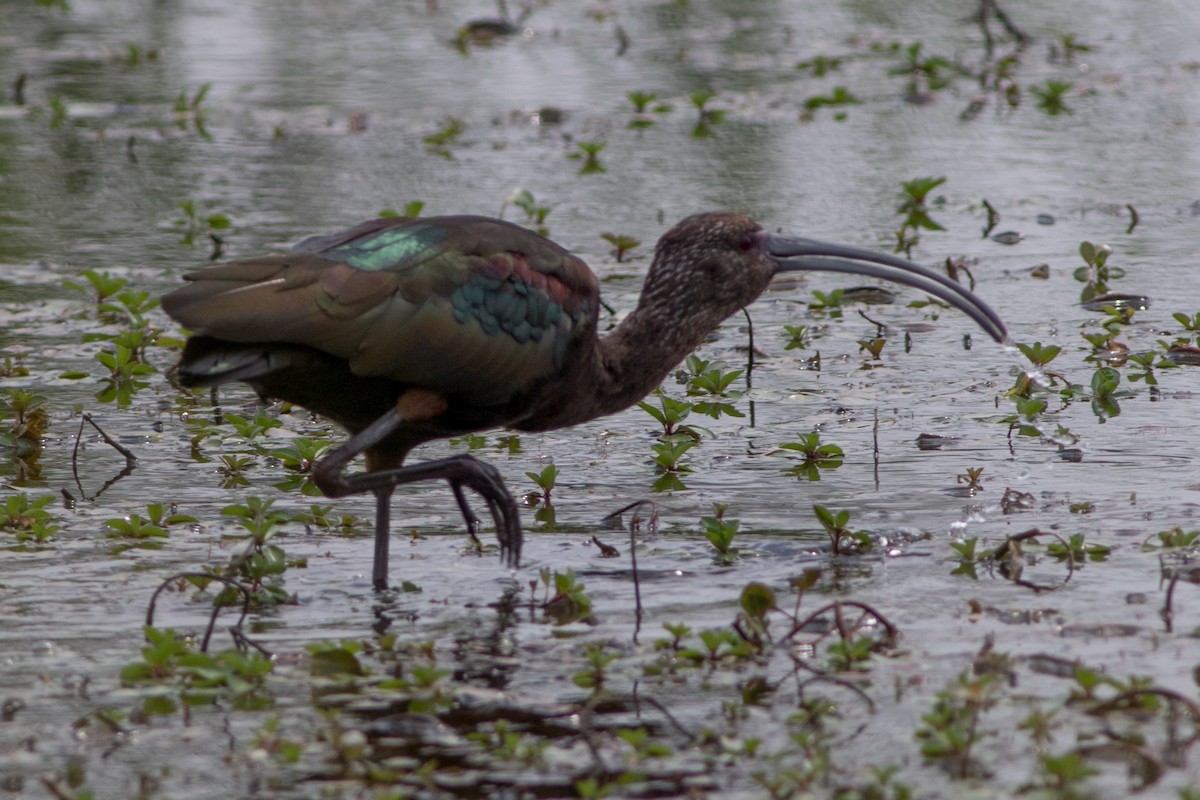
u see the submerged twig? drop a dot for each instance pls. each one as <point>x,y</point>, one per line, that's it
<point>749,361</point>
<point>662,709</point>
<point>1007,553</point>
<point>130,458</point>
<point>125,451</point>
<point>875,448</point>
<point>1168,613</point>
<point>990,8</point>
<point>892,633</point>
<point>749,349</point>
<point>1133,218</point>
<point>842,682</point>
<point>239,639</point>
<point>1151,770</point>
<point>635,524</point>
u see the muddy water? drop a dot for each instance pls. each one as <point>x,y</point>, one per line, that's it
<point>317,118</point>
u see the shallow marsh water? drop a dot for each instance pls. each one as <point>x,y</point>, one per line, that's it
<point>317,118</point>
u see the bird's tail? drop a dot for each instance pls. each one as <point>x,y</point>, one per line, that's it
<point>301,375</point>
<point>210,362</point>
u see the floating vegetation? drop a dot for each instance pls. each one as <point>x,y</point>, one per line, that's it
<point>705,649</point>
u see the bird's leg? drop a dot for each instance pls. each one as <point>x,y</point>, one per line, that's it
<point>383,506</point>
<point>327,474</point>
<point>459,471</point>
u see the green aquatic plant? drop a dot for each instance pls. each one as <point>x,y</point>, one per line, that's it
<point>103,284</point>
<point>799,336</point>
<point>1051,97</point>
<point>252,428</point>
<point>971,479</point>
<point>670,412</point>
<point>1189,323</point>
<point>194,224</point>
<point>969,556</point>
<point>1038,354</point>
<point>125,374</point>
<point>705,117</point>
<point>1024,422</point>
<point>565,599</point>
<point>849,655</point>
<point>914,205</point>
<point>1176,539</point>
<point>27,518</point>
<point>135,54</point>
<point>831,302</point>
<point>198,678</point>
<point>817,456</point>
<point>544,480</point>
<point>924,74</point>
<point>720,532</point>
<point>594,676</point>
<point>670,449</point>
<point>25,418</point>
<point>641,100</point>
<point>412,208</point>
<point>13,367</point>
<point>60,112</point>
<point>873,347</point>
<point>951,729</point>
<point>839,97</point>
<point>233,467</point>
<point>842,538</point>
<point>259,563</point>
<point>589,153</point>
<point>820,65</point>
<point>298,458</point>
<point>135,527</point>
<point>1077,550</point>
<point>535,213</point>
<point>711,380</point>
<point>440,141</point>
<point>336,659</point>
<point>1066,47</point>
<point>642,109</point>
<point>184,104</point>
<point>320,516</point>
<point>1148,362</point>
<point>621,244</point>
<point>1096,272</point>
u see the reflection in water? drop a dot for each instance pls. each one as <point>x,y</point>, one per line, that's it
<point>285,157</point>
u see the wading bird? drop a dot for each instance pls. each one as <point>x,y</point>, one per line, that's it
<point>405,330</point>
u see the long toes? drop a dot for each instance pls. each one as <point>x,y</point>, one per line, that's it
<point>485,480</point>
<point>503,509</point>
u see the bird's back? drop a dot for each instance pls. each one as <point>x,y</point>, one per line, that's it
<point>476,309</point>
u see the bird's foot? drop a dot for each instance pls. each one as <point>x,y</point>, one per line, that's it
<point>460,471</point>
<point>485,480</point>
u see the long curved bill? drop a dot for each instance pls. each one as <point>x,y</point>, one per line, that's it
<point>795,253</point>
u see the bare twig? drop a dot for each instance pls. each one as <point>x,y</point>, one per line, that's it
<point>635,525</point>
<point>238,638</point>
<point>1013,573</point>
<point>844,631</point>
<point>130,458</point>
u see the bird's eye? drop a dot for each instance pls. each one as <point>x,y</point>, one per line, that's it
<point>747,243</point>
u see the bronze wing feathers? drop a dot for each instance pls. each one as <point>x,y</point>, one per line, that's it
<point>466,306</point>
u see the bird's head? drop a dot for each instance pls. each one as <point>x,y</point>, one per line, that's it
<point>716,263</point>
